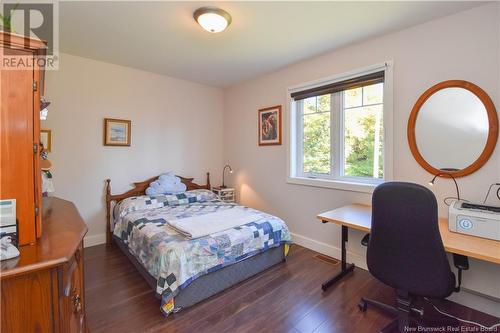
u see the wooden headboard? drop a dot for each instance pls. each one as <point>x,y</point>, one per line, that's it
<point>140,189</point>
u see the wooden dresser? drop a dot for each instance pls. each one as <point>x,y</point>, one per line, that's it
<point>43,288</point>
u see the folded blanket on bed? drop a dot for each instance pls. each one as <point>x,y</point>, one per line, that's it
<point>203,225</point>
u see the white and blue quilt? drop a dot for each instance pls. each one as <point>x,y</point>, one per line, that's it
<point>174,260</point>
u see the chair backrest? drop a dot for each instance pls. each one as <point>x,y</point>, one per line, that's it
<point>405,250</point>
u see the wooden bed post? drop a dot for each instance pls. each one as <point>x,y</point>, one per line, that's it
<point>208,181</point>
<point>108,212</point>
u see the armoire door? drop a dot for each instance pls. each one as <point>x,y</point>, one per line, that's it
<point>17,178</point>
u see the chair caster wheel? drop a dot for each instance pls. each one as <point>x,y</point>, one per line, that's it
<point>362,306</point>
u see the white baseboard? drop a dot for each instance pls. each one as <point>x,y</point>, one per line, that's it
<point>329,250</point>
<point>94,240</point>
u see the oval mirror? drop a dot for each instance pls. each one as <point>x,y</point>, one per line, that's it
<point>453,128</point>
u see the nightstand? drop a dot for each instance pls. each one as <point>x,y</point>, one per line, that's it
<point>225,194</point>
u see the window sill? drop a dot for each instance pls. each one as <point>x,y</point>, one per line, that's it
<point>334,184</point>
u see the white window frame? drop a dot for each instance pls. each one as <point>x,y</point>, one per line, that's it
<point>336,180</point>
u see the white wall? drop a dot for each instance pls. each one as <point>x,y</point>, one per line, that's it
<point>462,46</point>
<point>176,125</point>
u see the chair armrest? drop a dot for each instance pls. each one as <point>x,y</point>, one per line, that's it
<point>365,240</point>
<point>461,262</point>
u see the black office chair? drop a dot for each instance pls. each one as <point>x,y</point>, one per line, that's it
<point>405,251</point>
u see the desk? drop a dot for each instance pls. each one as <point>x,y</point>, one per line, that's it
<point>359,217</point>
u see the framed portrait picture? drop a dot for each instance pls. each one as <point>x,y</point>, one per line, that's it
<point>117,132</point>
<point>270,126</point>
<point>46,140</point>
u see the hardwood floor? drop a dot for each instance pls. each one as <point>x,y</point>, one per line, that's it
<point>284,298</point>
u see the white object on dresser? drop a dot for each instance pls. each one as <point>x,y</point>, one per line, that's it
<point>7,249</point>
<point>7,212</point>
<point>226,194</point>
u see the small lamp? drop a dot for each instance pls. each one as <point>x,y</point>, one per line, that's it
<point>223,174</point>
<point>449,175</point>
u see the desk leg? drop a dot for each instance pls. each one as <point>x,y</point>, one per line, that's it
<point>345,267</point>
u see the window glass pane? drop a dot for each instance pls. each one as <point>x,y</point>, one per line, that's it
<point>353,97</point>
<point>323,103</point>
<point>317,104</point>
<point>309,105</point>
<point>363,142</point>
<point>316,158</point>
<point>373,94</point>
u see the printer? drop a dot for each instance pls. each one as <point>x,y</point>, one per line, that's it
<point>474,219</point>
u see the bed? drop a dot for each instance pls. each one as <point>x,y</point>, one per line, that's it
<point>183,271</point>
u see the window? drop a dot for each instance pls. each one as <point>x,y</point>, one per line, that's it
<point>338,130</point>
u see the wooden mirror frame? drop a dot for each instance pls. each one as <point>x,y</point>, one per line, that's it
<point>492,128</point>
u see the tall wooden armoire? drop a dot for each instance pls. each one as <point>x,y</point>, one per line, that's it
<point>21,88</point>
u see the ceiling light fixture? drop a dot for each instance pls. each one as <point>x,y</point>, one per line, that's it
<point>212,19</point>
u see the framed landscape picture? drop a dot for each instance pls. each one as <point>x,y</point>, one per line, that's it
<point>270,126</point>
<point>46,139</point>
<point>117,132</point>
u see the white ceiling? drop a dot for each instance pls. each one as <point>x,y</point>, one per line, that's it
<point>162,37</point>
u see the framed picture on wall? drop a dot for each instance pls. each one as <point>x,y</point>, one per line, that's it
<point>270,126</point>
<point>117,132</point>
<point>46,140</point>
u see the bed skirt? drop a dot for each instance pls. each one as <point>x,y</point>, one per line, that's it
<point>215,282</point>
